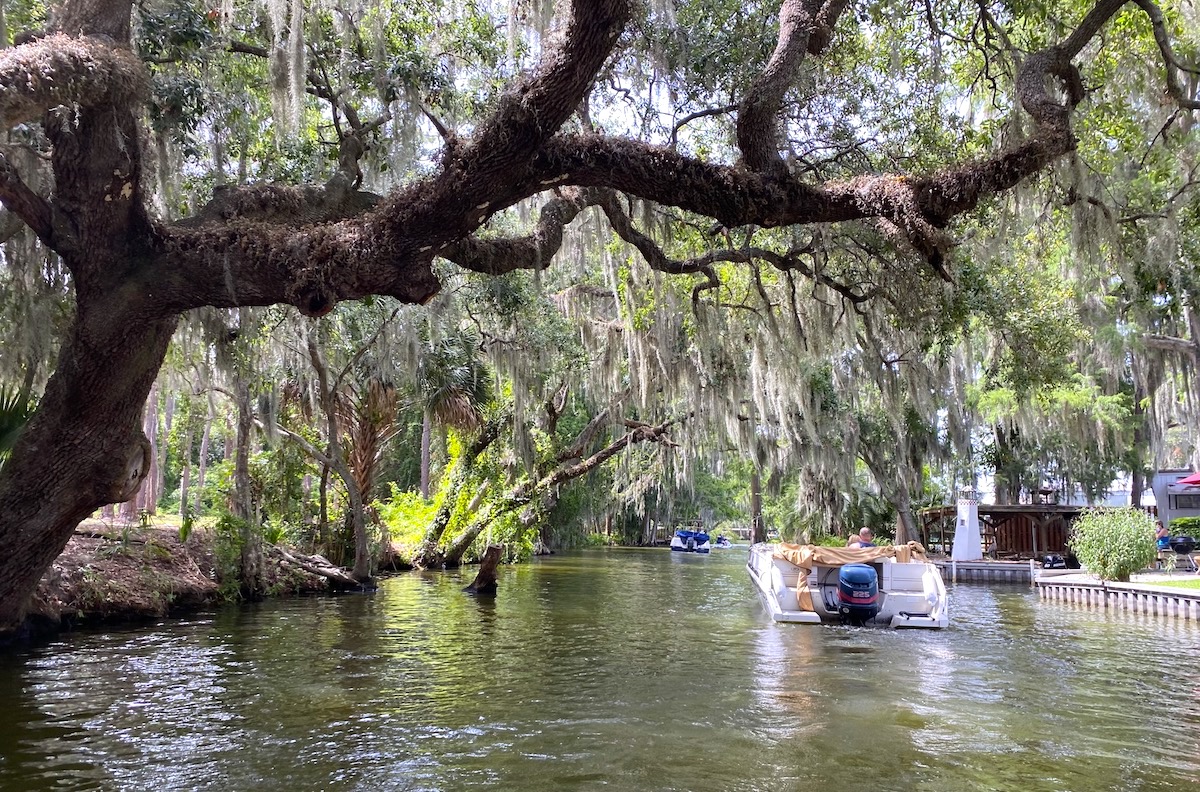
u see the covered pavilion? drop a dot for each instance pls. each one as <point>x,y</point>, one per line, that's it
<point>1010,531</point>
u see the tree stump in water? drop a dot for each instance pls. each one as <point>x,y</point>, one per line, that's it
<point>485,579</point>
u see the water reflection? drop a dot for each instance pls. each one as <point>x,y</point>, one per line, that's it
<point>634,670</point>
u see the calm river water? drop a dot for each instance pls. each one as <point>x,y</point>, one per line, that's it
<point>623,669</point>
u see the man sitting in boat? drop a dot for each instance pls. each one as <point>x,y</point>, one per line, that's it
<point>864,539</point>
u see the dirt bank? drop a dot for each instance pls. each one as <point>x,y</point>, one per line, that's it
<point>111,573</point>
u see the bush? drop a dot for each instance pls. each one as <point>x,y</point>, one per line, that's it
<point>1185,526</point>
<point>1114,543</point>
<point>407,516</point>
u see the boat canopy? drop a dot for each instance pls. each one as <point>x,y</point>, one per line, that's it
<point>808,556</point>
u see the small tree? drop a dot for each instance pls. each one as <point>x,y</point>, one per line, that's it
<point>1114,543</point>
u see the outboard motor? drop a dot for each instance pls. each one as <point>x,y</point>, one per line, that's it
<point>858,593</point>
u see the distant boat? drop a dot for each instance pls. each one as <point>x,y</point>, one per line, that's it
<point>891,585</point>
<point>687,541</point>
<point>722,543</point>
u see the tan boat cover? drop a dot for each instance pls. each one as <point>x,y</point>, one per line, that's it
<point>808,556</point>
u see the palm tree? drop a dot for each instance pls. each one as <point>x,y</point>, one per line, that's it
<point>15,409</point>
<point>368,413</point>
<point>455,386</point>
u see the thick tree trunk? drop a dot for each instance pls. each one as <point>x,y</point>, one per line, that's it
<point>485,578</point>
<point>163,446</point>
<point>1139,451</point>
<point>906,524</point>
<point>326,541</point>
<point>84,448</point>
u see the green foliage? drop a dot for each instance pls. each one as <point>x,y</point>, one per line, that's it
<point>277,475</point>
<point>15,411</point>
<point>454,381</point>
<point>275,531</point>
<point>1077,435</point>
<point>867,509</point>
<point>406,514</point>
<point>1185,526</point>
<point>1185,584</point>
<point>1114,543</point>
<point>230,535</point>
<point>187,524</point>
<point>1007,345</point>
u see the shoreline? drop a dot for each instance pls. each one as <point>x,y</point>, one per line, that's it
<point>110,574</point>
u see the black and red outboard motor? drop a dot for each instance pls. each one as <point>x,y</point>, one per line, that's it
<point>858,593</point>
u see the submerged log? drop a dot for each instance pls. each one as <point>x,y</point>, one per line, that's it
<point>485,579</point>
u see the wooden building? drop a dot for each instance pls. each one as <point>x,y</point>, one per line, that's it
<point>1019,530</point>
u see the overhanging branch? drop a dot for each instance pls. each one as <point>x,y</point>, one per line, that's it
<point>1170,61</point>
<point>25,203</point>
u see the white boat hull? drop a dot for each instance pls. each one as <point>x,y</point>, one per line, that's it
<point>912,594</point>
<point>690,545</point>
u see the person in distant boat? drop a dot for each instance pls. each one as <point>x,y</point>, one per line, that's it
<point>864,539</point>
<point>1162,537</point>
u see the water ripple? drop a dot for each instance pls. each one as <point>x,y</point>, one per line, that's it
<point>634,670</point>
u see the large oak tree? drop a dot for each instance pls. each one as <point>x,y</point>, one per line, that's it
<point>134,274</point>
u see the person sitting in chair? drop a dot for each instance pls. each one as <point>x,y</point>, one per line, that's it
<point>864,539</point>
<point>1162,537</point>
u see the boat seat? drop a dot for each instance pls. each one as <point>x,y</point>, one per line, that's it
<point>789,573</point>
<point>903,576</point>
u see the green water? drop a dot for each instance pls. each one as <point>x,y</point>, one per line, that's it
<point>621,670</point>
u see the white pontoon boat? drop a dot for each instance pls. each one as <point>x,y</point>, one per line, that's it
<point>889,585</point>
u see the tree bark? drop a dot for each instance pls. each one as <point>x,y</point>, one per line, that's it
<point>204,438</point>
<point>426,441</point>
<point>317,565</point>
<point>906,524</point>
<point>485,578</point>
<point>83,449</point>
<point>243,506</point>
<point>758,531</point>
<point>147,499</point>
<point>185,472</point>
<point>164,445</point>
<point>362,569</point>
